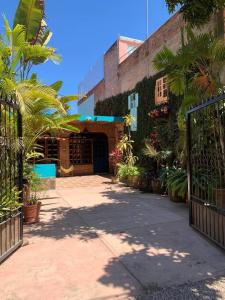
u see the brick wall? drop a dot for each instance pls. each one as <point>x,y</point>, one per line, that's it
<point>99,91</point>
<point>122,72</point>
<point>111,62</point>
<point>139,64</point>
<point>113,131</point>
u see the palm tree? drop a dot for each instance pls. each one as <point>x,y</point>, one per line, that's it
<point>22,47</point>
<point>195,70</point>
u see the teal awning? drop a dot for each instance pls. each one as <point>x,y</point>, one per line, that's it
<point>109,119</point>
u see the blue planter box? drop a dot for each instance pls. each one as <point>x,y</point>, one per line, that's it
<point>45,170</point>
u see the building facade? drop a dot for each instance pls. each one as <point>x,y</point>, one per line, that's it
<point>129,61</point>
<point>86,152</point>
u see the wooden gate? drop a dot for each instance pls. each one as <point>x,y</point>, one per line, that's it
<point>206,168</point>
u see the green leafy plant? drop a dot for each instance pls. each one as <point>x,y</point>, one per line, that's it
<point>125,145</point>
<point>124,171</point>
<point>177,182</point>
<point>9,201</point>
<point>193,72</point>
<point>196,12</point>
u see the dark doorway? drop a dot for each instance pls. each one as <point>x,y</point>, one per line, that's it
<point>100,153</point>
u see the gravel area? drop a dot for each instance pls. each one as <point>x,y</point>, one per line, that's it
<point>210,289</point>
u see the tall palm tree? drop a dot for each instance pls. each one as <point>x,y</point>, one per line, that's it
<point>41,106</point>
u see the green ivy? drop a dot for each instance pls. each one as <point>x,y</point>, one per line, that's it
<point>166,127</point>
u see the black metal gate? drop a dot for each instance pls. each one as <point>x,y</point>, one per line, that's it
<point>11,177</point>
<point>206,168</point>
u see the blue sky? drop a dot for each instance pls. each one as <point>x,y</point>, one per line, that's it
<point>84,29</point>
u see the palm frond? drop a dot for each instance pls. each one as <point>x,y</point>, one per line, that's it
<point>30,14</point>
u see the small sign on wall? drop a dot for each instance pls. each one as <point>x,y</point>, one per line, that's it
<point>133,107</point>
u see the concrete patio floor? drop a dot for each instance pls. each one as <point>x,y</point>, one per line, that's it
<point>98,241</point>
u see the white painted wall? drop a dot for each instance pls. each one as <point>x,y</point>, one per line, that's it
<point>87,107</point>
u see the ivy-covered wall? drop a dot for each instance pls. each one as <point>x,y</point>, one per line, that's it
<point>166,126</point>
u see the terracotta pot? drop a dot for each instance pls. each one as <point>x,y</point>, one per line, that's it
<point>145,185</point>
<point>124,181</point>
<point>114,180</point>
<point>220,198</point>
<point>156,186</point>
<point>134,181</point>
<point>31,213</point>
<point>175,197</point>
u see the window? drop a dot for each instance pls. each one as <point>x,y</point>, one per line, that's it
<point>80,150</point>
<point>161,91</point>
<point>133,100</point>
<point>131,49</point>
<point>48,147</point>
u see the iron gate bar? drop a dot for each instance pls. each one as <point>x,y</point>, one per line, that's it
<point>206,156</point>
<point>206,104</point>
<point>11,175</point>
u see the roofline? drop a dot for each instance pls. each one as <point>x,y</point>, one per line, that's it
<point>125,38</point>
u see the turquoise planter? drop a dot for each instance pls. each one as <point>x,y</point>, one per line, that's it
<point>45,170</point>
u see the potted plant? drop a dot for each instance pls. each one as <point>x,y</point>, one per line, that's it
<point>134,176</point>
<point>177,184</point>
<point>32,205</point>
<point>123,173</point>
<point>125,147</point>
<point>31,209</point>
<point>116,157</point>
<point>159,158</point>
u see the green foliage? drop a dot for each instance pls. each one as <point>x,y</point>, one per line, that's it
<point>151,152</point>
<point>196,12</point>
<point>30,14</point>
<point>124,171</point>
<point>194,72</point>
<point>166,128</point>
<point>9,201</point>
<point>41,106</point>
<point>33,180</point>
<point>177,182</point>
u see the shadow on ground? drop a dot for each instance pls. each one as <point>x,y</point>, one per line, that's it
<point>150,237</point>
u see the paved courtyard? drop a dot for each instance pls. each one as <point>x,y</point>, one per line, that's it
<point>98,241</point>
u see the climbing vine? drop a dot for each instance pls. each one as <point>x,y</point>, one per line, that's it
<point>164,123</point>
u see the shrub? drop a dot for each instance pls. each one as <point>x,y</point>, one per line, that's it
<point>124,171</point>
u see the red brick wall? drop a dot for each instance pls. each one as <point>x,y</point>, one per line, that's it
<point>113,131</point>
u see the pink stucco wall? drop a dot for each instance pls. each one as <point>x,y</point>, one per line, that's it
<point>122,70</point>
<point>116,54</point>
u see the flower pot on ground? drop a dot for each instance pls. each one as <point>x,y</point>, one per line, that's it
<point>114,180</point>
<point>31,213</point>
<point>174,197</point>
<point>177,184</point>
<point>133,175</point>
<point>156,186</point>
<point>33,187</point>
<point>145,184</point>
<point>134,181</point>
<point>31,209</point>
